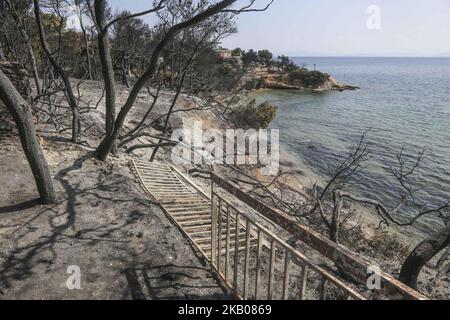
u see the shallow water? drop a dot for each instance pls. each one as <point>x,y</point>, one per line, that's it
<point>402,102</point>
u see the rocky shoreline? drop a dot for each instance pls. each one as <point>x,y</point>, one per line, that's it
<point>265,78</point>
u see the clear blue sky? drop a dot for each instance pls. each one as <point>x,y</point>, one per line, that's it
<point>339,27</point>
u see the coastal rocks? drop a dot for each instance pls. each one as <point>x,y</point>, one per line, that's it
<point>332,84</point>
<point>261,78</point>
<point>275,85</point>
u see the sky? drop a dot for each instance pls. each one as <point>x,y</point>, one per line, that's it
<point>340,27</point>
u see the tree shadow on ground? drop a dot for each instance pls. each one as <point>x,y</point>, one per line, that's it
<point>104,224</point>
<point>173,282</point>
<point>20,206</point>
<point>60,226</point>
<point>19,263</point>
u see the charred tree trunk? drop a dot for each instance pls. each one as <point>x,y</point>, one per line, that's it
<point>335,221</point>
<point>2,54</point>
<point>34,67</point>
<point>21,112</point>
<point>166,124</point>
<point>107,67</point>
<point>125,71</point>
<point>109,142</point>
<point>76,124</point>
<point>19,21</point>
<point>172,106</point>
<point>86,42</point>
<point>422,254</point>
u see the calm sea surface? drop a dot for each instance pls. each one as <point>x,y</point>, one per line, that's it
<point>403,102</point>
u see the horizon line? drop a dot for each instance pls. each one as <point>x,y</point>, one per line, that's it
<point>363,56</point>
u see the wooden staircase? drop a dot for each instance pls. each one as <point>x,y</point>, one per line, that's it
<point>185,204</point>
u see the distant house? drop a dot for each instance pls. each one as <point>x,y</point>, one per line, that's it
<point>224,54</point>
<point>227,55</point>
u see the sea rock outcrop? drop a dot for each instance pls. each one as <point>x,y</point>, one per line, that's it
<point>263,78</point>
<point>333,84</point>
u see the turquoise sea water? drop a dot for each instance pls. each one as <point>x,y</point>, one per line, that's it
<point>402,102</point>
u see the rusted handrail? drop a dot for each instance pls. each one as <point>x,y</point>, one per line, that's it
<point>391,288</point>
<point>222,213</point>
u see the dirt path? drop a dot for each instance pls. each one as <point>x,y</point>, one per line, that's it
<point>125,246</point>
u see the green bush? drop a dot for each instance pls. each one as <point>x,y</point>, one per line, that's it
<point>238,52</point>
<point>308,78</point>
<point>250,57</point>
<point>254,83</point>
<point>253,116</point>
<point>286,64</point>
<point>265,56</point>
<point>250,84</point>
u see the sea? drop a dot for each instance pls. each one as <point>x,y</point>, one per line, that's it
<point>402,104</point>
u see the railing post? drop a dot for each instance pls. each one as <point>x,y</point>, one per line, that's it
<point>236,253</point>
<point>227,249</point>
<point>219,235</point>
<point>220,206</point>
<point>286,276</point>
<point>323,289</point>
<point>303,282</point>
<point>213,227</point>
<point>247,259</point>
<point>271,269</point>
<point>258,267</point>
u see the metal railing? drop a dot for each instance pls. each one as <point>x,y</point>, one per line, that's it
<point>261,265</point>
<point>256,263</point>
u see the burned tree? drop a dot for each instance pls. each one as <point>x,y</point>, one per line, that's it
<point>110,140</point>
<point>70,96</point>
<point>190,44</point>
<point>131,39</point>
<point>18,12</point>
<point>103,28</point>
<point>82,10</point>
<point>331,205</point>
<point>21,112</point>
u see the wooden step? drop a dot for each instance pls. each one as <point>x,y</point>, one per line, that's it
<point>194,229</point>
<point>176,206</point>
<point>172,194</point>
<point>190,209</point>
<point>242,236</point>
<point>195,223</point>
<point>207,251</point>
<point>154,169</point>
<point>163,185</point>
<point>202,209</point>
<point>160,179</point>
<point>241,242</point>
<point>184,198</point>
<point>178,202</point>
<point>193,218</point>
<point>202,233</point>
